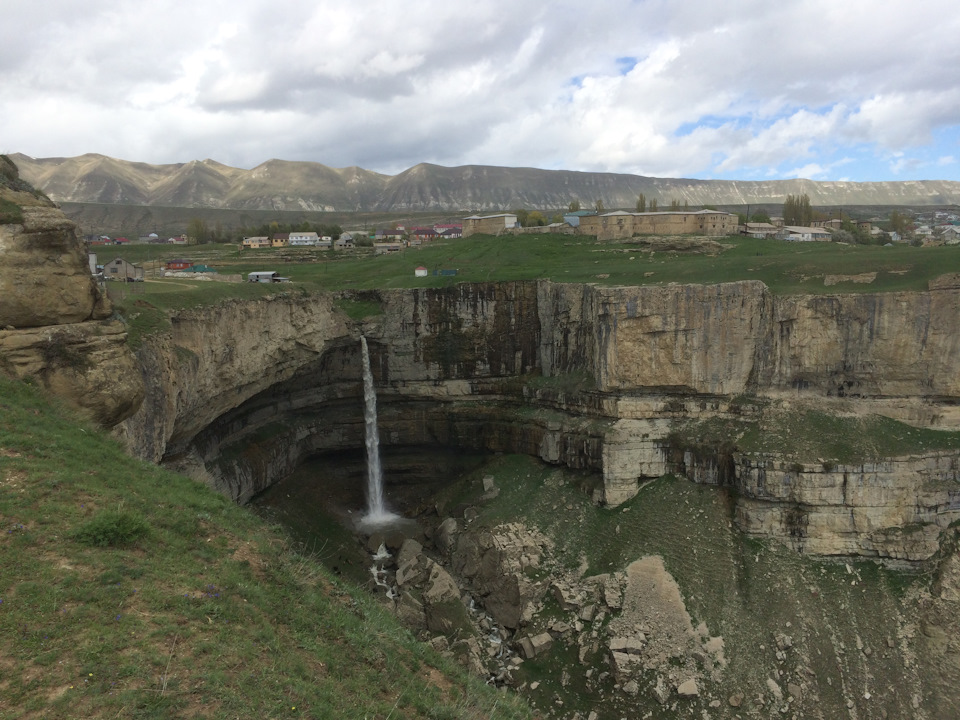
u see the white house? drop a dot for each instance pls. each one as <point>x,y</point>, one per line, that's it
<point>803,234</point>
<point>302,239</point>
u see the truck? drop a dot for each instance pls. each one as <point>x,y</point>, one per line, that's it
<point>265,276</point>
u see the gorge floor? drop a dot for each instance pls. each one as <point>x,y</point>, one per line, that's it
<point>800,637</point>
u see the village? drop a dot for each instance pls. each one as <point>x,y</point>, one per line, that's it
<point>933,228</point>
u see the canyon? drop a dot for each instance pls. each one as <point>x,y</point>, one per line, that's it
<point>583,376</point>
<point>628,389</point>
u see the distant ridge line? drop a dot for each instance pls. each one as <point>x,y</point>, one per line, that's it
<point>301,185</point>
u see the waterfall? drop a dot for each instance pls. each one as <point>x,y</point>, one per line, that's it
<point>376,511</point>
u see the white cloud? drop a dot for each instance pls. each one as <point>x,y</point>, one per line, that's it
<point>661,87</point>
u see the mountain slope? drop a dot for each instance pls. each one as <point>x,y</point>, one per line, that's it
<point>287,185</point>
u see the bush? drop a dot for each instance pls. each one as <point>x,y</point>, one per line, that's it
<point>113,528</point>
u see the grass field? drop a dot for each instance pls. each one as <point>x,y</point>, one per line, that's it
<point>130,592</point>
<point>787,268</point>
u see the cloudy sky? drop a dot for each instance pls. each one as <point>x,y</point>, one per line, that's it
<point>741,89</point>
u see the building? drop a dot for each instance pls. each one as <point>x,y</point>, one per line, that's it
<point>759,229</point>
<point>120,269</point>
<point>388,234</point>
<point>420,235</point>
<point>344,242</point>
<point>622,224</point>
<point>385,248</point>
<point>798,233</point>
<point>448,230</point>
<point>280,240</point>
<point>253,243</point>
<point>304,239</point>
<point>572,218</point>
<point>488,224</point>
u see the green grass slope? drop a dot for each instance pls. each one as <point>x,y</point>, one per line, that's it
<point>130,592</point>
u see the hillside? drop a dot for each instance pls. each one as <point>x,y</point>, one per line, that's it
<point>130,591</point>
<point>308,186</point>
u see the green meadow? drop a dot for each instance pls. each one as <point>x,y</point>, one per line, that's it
<point>787,268</point>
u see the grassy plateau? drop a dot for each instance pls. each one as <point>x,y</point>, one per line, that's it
<point>786,267</point>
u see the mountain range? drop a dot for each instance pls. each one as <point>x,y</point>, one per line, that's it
<point>287,185</point>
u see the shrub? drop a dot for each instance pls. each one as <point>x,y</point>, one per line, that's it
<point>113,528</point>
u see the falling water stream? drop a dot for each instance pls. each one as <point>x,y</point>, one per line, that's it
<point>376,514</point>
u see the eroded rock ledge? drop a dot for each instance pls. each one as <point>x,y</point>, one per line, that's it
<point>592,377</point>
<point>56,325</point>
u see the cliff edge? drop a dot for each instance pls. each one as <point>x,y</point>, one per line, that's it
<point>56,322</point>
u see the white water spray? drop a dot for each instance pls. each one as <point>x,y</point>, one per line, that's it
<point>376,511</point>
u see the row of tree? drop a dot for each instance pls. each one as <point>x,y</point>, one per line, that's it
<point>201,233</point>
<point>797,210</point>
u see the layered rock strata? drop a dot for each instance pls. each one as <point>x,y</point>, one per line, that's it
<point>588,376</point>
<point>57,326</point>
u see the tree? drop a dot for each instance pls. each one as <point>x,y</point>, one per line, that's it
<point>861,237</point>
<point>198,230</point>
<point>574,206</point>
<point>674,204</point>
<point>900,223</point>
<point>653,204</point>
<point>797,210</point>
<point>535,218</point>
<point>760,216</point>
<point>522,216</point>
<point>599,206</point>
<point>641,203</point>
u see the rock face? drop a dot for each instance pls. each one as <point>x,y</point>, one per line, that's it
<point>591,377</point>
<point>57,322</point>
<point>44,276</point>
<point>895,508</point>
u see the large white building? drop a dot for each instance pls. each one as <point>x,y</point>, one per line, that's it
<point>303,239</point>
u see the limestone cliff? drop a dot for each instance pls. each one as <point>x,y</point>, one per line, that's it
<point>592,377</point>
<point>57,326</point>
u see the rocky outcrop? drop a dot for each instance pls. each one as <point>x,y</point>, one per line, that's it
<point>216,359</point>
<point>57,322</point>
<point>44,275</point>
<point>893,508</point>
